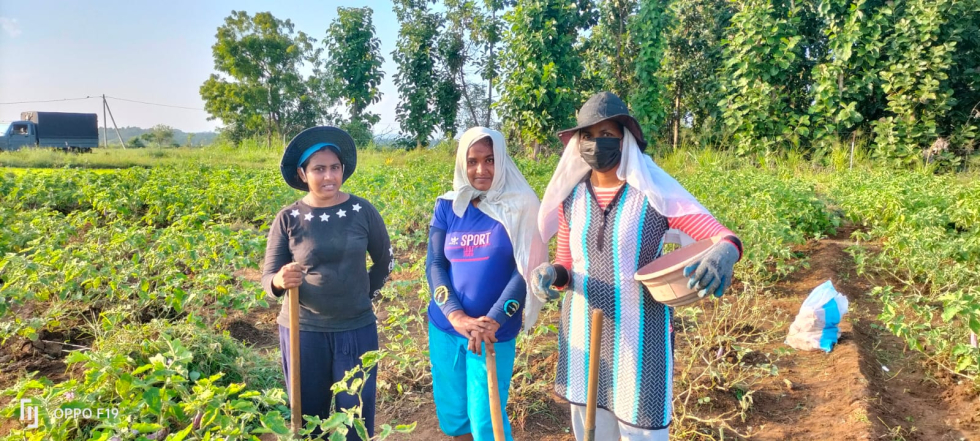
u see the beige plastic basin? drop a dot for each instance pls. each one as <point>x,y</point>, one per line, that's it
<point>664,277</point>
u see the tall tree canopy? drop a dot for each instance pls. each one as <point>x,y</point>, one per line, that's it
<point>259,87</point>
<point>354,67</point>
<point>416,57</point>
<point>541,66</point>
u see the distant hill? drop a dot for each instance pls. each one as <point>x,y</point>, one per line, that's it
<point>180,137</point>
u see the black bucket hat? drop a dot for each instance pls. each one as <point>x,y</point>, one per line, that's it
<point>600,107</point>
<point>310,137</point>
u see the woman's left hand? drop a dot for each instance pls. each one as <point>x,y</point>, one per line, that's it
<point>713,274</point>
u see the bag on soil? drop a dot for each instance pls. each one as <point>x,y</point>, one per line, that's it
<point>815,326</point>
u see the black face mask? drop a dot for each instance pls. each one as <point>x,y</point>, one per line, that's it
<point>601,153</point>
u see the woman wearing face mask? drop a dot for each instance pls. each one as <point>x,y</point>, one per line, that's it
<point>612,209</point>
<point>318,244</point>
<point>483,241</point>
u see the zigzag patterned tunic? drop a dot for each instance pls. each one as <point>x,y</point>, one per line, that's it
<point>607,247</point>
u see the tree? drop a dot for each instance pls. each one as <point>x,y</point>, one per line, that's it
<point>452,81</point>
<point>915,80</point>
<point>541,66</point>
<point>763,104</point>
<point>482,28</point>
<point>611,51</point>
<point>963,119</point>
<point>161,135</point>
<point>354,67</point>
<point>489,30</point>
<point>262,87</point>
<point>648,97</point>
<point>415,55</point>
<point>691,57</point>
<point>846,87</point>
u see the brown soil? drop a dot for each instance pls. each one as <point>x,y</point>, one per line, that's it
<point>870,386</point>
<point>257,328</point>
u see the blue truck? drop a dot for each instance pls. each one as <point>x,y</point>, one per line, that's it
<point>74,132</point>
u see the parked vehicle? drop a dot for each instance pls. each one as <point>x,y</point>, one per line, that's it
<point>77,132</point>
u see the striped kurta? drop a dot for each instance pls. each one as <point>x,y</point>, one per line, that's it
<point>608,244</point>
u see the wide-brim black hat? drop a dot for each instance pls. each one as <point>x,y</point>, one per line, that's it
<point>310,137</point>
<point>600,107</point>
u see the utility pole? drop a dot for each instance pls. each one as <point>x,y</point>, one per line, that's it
<point>113,122</point>
<point>105,125</point>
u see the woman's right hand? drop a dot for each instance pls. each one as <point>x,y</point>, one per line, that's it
<point>289,276</point>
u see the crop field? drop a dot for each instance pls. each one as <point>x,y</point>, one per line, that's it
<point>133,294</point>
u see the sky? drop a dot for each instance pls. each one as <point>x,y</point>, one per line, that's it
<point>151,51</point>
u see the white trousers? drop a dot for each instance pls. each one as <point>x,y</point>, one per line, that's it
<point>608,427</point>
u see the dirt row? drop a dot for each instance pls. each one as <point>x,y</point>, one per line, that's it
<point>870,386</point>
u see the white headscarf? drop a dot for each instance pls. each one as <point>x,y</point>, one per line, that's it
<point>665,194</point>
<point>510,201</point>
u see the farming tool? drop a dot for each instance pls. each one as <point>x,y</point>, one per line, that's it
<point>294,385</point>
<point>594,361</point>
<point>496,416</point>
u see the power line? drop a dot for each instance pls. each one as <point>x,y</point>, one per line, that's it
<point>155,104</point>
<point>99,97</point>
<point>51,101</point>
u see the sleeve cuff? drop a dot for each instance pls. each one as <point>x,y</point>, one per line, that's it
<point>561,275</point>
<point>498,316</point>
<point>734,240</point>
<point>449,309</point>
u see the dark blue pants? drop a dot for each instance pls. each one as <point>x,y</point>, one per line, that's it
<point>324,359</point>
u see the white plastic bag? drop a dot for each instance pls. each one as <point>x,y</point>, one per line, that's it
<point>815,326</point>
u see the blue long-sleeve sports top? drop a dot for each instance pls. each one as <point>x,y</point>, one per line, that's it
<point>470,266</point>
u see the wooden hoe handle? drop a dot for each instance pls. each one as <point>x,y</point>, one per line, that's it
<point>294,369</point>
<point>496,415</point>
<point>595,344</point>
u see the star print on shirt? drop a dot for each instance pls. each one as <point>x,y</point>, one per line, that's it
<point>294,213</point>
<point>357,207</point>
<point>454,241</point>
<point>324,217</point>
<point>341,213</point>
<point>308,216</point>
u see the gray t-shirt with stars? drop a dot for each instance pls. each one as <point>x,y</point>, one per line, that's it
<point>330,244</point>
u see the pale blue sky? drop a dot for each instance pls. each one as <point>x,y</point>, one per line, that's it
<point>153,51</point>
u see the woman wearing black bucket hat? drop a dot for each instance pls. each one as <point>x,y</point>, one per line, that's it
<point>613,209</point>
<point>318,245</point>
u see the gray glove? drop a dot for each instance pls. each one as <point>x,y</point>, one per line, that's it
<point>713,274</point>
<point>542,280</point>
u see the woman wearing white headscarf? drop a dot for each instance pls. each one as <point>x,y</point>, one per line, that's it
<point>613,208</point>
<point>483,244</point>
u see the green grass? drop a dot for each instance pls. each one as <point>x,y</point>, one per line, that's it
<point>251,154</point>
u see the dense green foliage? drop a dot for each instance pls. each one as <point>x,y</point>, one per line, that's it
<point>354,68</point>
<point>649,97</point>
<point>756,76</point>
<point>541,69</point>
<point>261,89</point>
<point>928,228</point>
